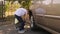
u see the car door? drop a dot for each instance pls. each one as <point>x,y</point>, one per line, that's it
<point>51,17</point>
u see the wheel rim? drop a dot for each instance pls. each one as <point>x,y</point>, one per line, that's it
<point>31,21</point>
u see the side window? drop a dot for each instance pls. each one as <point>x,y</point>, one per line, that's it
<point>40,11</point>
<point>52,7</point>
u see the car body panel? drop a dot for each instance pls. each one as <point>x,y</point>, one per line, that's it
<point>50,18</point>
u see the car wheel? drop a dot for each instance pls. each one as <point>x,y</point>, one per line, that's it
<point>33,25</point>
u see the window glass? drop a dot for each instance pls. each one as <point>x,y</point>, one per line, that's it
<point>52,7</point>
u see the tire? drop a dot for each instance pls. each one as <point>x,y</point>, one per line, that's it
<point>33,25</point>
<point>32,22</point>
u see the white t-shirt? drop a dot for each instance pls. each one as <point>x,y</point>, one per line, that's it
<point>20,12</point>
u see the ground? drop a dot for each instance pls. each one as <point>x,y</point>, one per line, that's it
<point>9,28</point>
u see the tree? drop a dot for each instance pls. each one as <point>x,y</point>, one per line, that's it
<point>11,0</point>
<point>25,3</point>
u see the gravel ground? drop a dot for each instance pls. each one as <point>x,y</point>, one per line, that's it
<point>10,29</point>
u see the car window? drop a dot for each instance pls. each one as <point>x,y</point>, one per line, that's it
<point>52,7</point>
<point>39,11</point>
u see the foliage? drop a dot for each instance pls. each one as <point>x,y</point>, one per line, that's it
<point>7,5</point>
<point>10,8</point>
<point>0,11</point>
<point>25,3</point>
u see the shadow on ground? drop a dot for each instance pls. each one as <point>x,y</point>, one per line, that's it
<point>10,29</point>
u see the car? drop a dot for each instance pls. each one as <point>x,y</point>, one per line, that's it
<point>47,17</point>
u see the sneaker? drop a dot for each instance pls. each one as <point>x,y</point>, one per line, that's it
<point>22,31</point>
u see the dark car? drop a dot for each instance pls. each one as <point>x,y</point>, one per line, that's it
<point>48,18</point>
